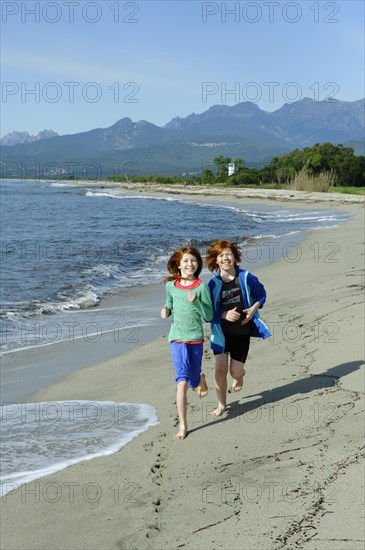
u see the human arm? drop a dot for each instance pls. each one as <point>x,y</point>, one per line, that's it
<point>168,307</point>
<point>257,291</point>
<point>256,297</point>
<point>202,302</point>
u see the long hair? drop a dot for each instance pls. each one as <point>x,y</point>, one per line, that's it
<point>175,259</point>
<point>217,248</point>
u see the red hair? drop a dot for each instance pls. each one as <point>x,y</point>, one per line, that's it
<point>175,259</point>
<point>217,248</point>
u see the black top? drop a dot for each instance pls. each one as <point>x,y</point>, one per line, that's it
<point>231,297</point>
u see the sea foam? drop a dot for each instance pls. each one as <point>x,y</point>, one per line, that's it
<point>39,439</point>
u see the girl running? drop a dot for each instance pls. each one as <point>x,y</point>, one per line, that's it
<point>236,297</point>
<point>188,298</point>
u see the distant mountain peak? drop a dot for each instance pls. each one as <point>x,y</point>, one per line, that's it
<point>122,121</point>
<point>15,137</point>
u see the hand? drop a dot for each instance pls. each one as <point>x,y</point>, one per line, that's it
<point>165,312</point>
<point>249,314</point>
<point>191,296</point>
<point>232,315</point>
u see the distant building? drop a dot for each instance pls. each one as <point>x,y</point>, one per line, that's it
<point>231,168</point>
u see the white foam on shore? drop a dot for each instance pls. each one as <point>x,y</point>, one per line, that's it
<point>39,439</point>
<point>117,194</point>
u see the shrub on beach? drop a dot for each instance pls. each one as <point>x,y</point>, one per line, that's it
<point>304,181</point>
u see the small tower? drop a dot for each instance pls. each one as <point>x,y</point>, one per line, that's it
<point>231,168</point>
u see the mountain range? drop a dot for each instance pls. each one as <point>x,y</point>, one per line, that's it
<point>187,145</point>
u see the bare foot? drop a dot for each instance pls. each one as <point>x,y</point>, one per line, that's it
<point>202,388</point>
<point>219,410</point>
<point>181,434</point>
<point>237,384</point>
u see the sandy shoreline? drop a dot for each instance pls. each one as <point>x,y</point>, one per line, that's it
<point>229,193</point>
<point>266,194</point>
<point>283,469</point>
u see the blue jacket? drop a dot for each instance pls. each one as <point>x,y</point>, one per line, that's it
<point>252,291</point>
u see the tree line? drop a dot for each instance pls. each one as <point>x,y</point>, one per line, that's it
<point>340,163</point>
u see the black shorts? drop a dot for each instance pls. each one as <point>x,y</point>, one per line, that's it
<point>237,346</point>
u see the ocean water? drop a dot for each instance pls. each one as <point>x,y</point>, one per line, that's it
<point>75,262</point>
<point>68,249</point>
<point>38,439</point>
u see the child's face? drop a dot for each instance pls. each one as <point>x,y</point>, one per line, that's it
<point>225,260</point>
<point>188,266</point>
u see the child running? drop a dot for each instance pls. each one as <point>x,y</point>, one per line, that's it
<point>188,298</point>
<point>236,297</point>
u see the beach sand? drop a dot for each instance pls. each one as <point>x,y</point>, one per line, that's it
<point>283,468</point>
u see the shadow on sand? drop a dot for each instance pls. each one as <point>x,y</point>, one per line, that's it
<point>327,379</point>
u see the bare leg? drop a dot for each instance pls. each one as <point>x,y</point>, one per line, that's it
<point>181,402</point>
<point>221,370</point>
<point>237,372</point>
<point>202,388</point>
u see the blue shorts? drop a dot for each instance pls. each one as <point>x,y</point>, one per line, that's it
<point>187,361</point>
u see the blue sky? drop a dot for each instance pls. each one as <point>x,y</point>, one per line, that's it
<point>75,65</point>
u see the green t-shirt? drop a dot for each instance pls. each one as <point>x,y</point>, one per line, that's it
<point>187,325</point>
